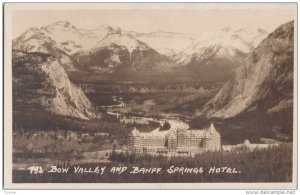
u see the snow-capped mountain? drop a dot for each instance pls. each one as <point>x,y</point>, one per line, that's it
<point>126,41</point>
<point>123,52</point>
<point>67,37</point>
<point>38,40</point>
<point>249,35</point>
<point>265,79</point>
<point>215,55</point>
<point>208,45</point>
<point>225,42</point>
<point>34,40</point>
<point>101,50</point>
<point>112,50</point>
<point>166,43</point>
<point>73,40</point>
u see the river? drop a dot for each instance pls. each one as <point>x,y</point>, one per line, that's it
<point>102,155</point>
<point>175,122</point>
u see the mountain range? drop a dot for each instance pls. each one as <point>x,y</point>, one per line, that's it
<point>114,51</point>
<point>257,66</point>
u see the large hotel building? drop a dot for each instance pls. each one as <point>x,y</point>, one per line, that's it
<point>175,141</point>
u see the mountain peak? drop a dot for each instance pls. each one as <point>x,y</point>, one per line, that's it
<point>31,31</point>
<point>108,27</point>
<point>62,23</point>
<point>262,31</point>
<point>34,34</point>
<point>250,29</point>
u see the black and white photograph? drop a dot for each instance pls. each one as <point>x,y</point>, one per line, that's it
<point>150,95</point>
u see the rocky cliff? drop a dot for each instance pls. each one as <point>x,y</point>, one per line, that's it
<point>41,83</point>
<point>266,79</point>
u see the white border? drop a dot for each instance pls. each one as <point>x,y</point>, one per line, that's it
<point>8,121</point>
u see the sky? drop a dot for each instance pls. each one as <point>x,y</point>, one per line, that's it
<point>180,18</point>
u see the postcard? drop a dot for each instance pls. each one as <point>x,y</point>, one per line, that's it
<point>150,96</point>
